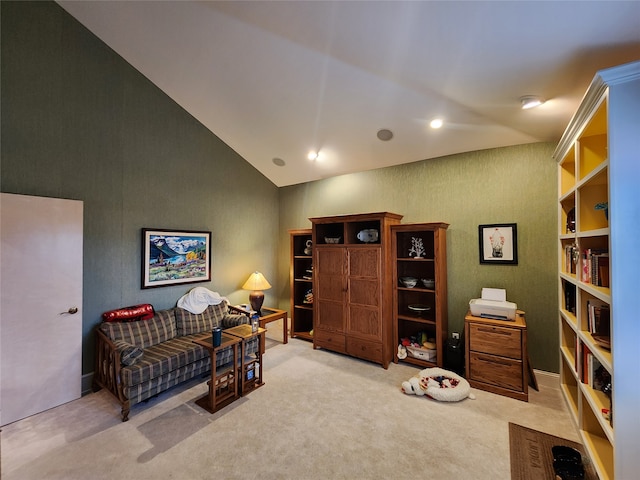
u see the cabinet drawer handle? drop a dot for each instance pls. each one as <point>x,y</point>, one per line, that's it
<point>493,330</point>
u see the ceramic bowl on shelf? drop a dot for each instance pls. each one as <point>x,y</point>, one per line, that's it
<point>418,308</point>
<point>428,282</point>
<point>408,282</point>
<point>332,240</point>
<point>369,235</point>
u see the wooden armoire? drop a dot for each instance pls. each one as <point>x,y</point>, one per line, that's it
<point>353,277</point>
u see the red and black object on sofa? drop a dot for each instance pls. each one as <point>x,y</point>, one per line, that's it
<point>133,313</point>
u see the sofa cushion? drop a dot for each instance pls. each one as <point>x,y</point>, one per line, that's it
<point>144,333</point>
<point>142,391</point>
<point>129,354</point>
<point>190,323</point>
<point>172,355</point>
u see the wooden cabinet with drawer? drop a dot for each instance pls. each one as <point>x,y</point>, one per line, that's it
<point>496,359</point>
<point>352,281</point>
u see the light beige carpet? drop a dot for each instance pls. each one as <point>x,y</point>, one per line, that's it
<point>320,415</point>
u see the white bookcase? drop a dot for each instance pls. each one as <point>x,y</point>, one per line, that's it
<point>599,166</point>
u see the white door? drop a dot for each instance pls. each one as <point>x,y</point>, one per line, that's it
<point>40,289</point>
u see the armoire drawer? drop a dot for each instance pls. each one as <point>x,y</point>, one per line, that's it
<point>364,349</point>
<point>330,340</point>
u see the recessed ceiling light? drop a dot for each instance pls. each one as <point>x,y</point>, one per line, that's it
<point>385,134</point>
<point>279,162</point>
<point>531,101</point>
<point>313,155</point>
<point>436,123</point>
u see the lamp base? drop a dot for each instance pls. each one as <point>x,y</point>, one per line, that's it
<point>255,299</point>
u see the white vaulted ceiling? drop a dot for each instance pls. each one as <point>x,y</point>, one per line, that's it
<point>275,80</point>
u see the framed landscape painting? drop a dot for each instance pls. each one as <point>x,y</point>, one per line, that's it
<point>498,243</point>
<point>171,257</point>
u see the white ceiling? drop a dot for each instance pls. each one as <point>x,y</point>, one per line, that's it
<point>277,79</point>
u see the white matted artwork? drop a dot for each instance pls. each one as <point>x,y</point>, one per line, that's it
<point>498,243</point>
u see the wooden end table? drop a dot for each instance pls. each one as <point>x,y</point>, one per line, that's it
<point>250,369</point>
<point>267,315</point>
<point>223,386</point>
<point>271,315</point>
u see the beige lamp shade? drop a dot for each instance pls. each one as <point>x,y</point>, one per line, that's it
<point>256,283</point>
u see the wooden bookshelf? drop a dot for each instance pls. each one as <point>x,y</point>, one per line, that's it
<point>431,266</point>
<point>301,283</point>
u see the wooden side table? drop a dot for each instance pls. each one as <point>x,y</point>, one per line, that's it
<point>496,355</point>
<point>223,386</point>
<point>271,315</point>
<point>267,315</point>
<point>249,369</point>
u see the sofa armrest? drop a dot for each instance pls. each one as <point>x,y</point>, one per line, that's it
<point>234,319</point>
<point>237,310</point>
<point>108,364</point>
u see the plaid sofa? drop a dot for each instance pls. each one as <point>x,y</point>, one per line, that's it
<point>140,357</point>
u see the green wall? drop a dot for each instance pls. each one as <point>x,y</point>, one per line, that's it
<point>504,185</point>
<point>79,122</point>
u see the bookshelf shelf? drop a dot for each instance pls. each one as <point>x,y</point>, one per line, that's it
<point>569,387</point>
<point>597,402</point>
<point>597,168</point>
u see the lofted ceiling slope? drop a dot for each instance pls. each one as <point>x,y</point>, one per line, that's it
<point>277,79</point>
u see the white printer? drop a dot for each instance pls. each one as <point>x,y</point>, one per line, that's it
<point>493,304</point>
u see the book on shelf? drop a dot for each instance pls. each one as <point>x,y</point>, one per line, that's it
<point>598,317</point>
<point>593,372</point>
<point>570,298</point>
<point>595,267</point>
<point>586,360</point>
<point>602,268</point>
<point>569,263</point>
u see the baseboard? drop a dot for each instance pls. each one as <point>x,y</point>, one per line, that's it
<point>547,379</point>
<point>87,381</point>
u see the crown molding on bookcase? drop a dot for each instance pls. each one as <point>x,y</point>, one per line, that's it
<point>591,101</point>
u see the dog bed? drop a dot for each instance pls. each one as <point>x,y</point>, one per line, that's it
<point>439,384</point>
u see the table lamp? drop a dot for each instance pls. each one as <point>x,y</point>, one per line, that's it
<point>256,283</point>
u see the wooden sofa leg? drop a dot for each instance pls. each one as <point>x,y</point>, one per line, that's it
<point>125,411</point>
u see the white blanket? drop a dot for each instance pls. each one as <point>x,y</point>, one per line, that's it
<point>198,299</point>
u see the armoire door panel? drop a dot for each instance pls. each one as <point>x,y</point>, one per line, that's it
<point>330,316</point>
<point>364,321</point>
<point>364,292</point>
<point>330,287</point>
<point>364,262</point>
<point>331,262</point>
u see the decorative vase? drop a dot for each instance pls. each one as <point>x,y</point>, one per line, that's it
<point>603,206</point>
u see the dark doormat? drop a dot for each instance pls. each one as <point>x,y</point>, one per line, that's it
<point>531,457</point>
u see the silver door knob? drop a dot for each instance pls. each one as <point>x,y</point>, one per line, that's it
<point>71,311</point>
